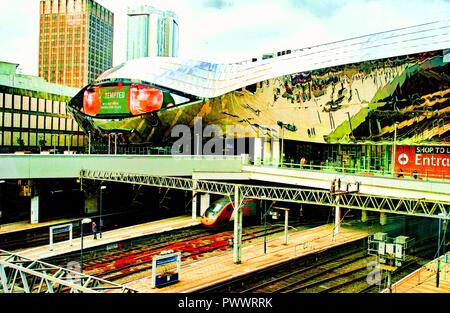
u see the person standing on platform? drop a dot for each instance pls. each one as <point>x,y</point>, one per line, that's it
<point>94,230</point>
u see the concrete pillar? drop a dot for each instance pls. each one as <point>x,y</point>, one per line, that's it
<point>337,216</point>
<point>34,210</point>
<point>194,205</point>
<point>275,152</point>
<point>194,201</point>
<point>383,218</point>
<point>364,216</point>
<point>267,156</point>
<point>286,225</point>
<point>237,238</point>
<point>204,203</point>
<point>256,151</point>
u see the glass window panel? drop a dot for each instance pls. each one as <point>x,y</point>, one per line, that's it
<point>33,119</point>
<point>8,101</point>
<point>48,122</point>
<point>8,118</point>
<point>63,108</point>
<point>62,140</point>
<point>41,122</point>
<point>1,99</point>
<point>62,124</point>
<point>48,139</point>
<point>41,107</point>
<point>33,104</point>
<point>56,107</point>
<point>25,120</point>
<point>17,102</point>
<point>75,125</point>
<point>69,124</point>
<point>17,120</point>
<point>49,108</point>
<point>26,103</point>
<point>74,141</point>
<point>32,141</point>
<point>56,123</point>
<point>7,138</point>
<point>25,138</point>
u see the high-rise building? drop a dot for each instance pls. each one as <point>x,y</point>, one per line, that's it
<point>75,41</point>
<point>151,32</point>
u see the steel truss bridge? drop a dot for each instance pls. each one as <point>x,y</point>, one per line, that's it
<point>352,200</point>
<point>19,274</point>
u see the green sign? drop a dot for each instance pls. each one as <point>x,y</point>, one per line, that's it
<point>114,100</point>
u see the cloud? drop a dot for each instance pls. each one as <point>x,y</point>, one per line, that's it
<point>217,4</point>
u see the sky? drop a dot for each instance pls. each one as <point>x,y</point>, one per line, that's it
<point>231,30</point>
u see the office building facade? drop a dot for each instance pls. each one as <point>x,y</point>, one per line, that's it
<point>151,32</point>
<point>34,115</point>
<point>75,41</point>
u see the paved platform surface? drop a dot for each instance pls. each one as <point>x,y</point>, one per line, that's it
<point>25,225</point>
<point>110,237</point>
<point>210,271</point>
<point>423,280</point>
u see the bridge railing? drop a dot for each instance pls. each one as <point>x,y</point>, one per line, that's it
<point>332,168</point>
<point>21,274</point>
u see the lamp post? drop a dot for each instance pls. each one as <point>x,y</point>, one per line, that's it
<point>83,221</point>
<point>101,210</point>
<point>1,200</point>
<point>109,143</point>
<point>89,142</point>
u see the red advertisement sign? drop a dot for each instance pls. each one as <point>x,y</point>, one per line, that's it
<point>423,161</point>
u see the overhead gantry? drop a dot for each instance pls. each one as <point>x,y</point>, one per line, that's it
<point>349,200</point>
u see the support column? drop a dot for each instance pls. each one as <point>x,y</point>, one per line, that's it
<point>337,216</point>
<point>256,151</point>
<point>237,239</point>
<point>267,156</point>
<point>204,203</point>
<point>34,211</point>
<point>363,216</point>
<point>275,152</point>
<point>194,201</point>
<point>383,218</point>
<point>286,225</point>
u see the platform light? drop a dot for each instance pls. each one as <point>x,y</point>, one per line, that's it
<point>83,221</point>
<point>101,210</point>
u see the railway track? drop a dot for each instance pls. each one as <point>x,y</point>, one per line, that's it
<point>29,238</point>
<point>191,250</point>
<point>341,269</point>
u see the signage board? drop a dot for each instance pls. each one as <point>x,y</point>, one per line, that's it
<point>423,161</point>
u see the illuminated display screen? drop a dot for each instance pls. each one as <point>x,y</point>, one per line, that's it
<point>122,99</point>
<point>114,100</point>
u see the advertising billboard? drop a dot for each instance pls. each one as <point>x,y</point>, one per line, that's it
<point>423,161</point>
<point>122,99</point>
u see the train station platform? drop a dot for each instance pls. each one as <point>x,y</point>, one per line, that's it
<point>26,225</point>
<point>207,272</point>
<point>110,237</point>
<point>423,280</point>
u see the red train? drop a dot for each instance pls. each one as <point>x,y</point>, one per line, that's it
<point>221,211</point>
